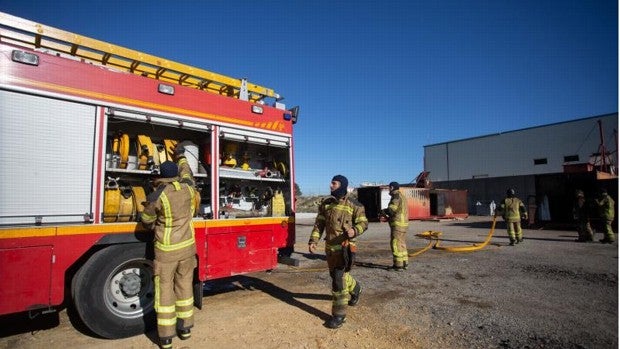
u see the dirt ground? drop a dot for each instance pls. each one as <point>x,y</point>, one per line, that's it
<point>548,292</point>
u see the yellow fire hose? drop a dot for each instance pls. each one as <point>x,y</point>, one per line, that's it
<point>432,236</point>
<point>475,247</point>
<point>429,235</point>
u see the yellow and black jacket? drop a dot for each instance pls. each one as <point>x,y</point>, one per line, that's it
<point>335,217</point>
<point>169,212</point>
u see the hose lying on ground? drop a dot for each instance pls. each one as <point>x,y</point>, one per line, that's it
<point>432,236</point>
<point>475,247</point>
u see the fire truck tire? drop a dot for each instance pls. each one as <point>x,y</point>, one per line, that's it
<point>113,292</point>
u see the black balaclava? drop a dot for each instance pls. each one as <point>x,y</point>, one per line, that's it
<point>344,183</point>
<point>394,185</point>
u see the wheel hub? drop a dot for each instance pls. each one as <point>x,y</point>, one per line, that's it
<point>130,284</point>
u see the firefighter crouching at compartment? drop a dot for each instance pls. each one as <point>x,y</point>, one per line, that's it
<point>169,212</point>
<point>398,216</point>
<point>342,219</point>
<point>512,210</point>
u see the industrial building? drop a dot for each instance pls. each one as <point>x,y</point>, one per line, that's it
<point>544,164</point>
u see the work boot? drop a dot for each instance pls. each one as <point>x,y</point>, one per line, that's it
<point>512,242</point>
<point>396,268</point>
<point>165,343</point>
<point>185,334</point>
<point>606,241</point>
<point>336,321</point>
<point>355,296</point>
<point>519,240</point>
<point>405,264</point>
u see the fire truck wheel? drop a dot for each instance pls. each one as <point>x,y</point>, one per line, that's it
<point>113,292</point>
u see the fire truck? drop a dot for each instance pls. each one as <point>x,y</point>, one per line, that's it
<point>84,126</point>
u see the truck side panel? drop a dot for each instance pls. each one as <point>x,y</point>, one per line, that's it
<point>47,153</point>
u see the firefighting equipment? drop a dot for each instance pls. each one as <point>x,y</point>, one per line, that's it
<point>280,166</point>
<point>171,148</point>
<point>118,204</point>
<point>475,247</point>
<point>245,165</point>
<point>190,151</point>
<point>139,198</point>
<point>230,161</point>
<point>342,190</point>
<point>120,148</point>
<point>111,200</point>
<point>166,151</point>
<point>394,185</point>
<point>265,173</point>
<point>146,152</point>
<point>277,204</point>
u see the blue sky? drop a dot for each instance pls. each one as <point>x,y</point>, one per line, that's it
<point>376,81</point>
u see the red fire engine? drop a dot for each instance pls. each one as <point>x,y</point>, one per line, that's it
<point>84,125</point>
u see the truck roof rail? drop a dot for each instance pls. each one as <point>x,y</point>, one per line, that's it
<point>23,32</point>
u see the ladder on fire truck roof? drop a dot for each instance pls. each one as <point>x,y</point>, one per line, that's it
<point>22,32</point>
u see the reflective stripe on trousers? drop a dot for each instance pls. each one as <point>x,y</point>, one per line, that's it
<point>174,279</point>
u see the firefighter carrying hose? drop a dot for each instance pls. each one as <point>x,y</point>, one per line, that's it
<point>512,210</point>
<point>169,211</point>
<point>343,219</point>
<point>398,216</point>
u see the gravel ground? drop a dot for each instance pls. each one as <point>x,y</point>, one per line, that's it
<point>548,292</point>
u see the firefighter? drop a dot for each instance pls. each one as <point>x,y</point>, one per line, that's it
<point>605,205</point>
<point>343,219</point>
<point>512,211</point>
<point>169,211</point>
<point>398,217</point>
<point>581,215</point>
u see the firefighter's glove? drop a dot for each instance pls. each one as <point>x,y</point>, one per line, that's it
<point>178,151</point>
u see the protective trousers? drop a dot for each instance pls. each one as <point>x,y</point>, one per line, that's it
<point>514,231</point>
<point>343,284</point>
<point>585,230</point>
<point>608,230</point>
<point>398,243</point>
<point>174,298</point>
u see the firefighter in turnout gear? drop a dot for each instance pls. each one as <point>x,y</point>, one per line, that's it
<point>512,210</point>
<point>342,219</point>
<point>169,212</point>
<point>605,205</point>
<point>398,216</point>
<point>582,217</point>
